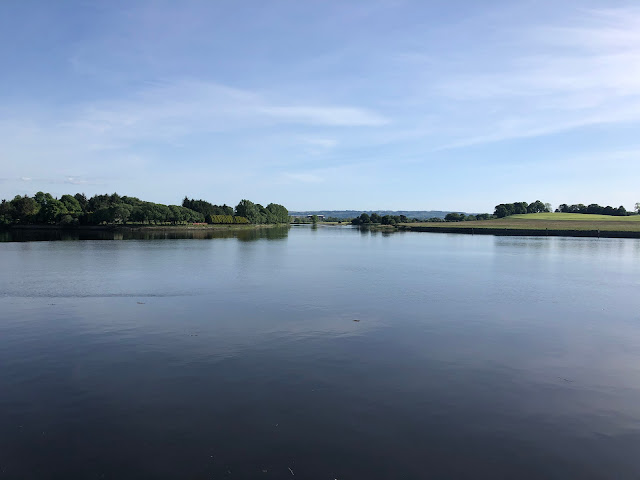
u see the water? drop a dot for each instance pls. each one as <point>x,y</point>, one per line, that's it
<point>472,357</point>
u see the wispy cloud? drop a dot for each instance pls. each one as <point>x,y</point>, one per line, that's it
<point>327,116</point>
<point>320,142</point>
<point>184,107</point>
<point>76,181</point>
<point>561,77</point>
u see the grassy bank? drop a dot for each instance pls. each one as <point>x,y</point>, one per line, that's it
<point>557,224</point>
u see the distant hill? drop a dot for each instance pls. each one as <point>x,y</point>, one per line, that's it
<point>419,214</point>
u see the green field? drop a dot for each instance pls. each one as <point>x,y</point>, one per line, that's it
<point>546,221</point>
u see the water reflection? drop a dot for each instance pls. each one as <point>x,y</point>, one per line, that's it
<point>472,357</point>
<point>46,235</point>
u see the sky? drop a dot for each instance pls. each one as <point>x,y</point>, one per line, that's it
<point>373,104</point>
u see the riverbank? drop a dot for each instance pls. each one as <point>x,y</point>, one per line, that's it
<point>543,224</point>
<point>34,233</point>
<point>137,227</point>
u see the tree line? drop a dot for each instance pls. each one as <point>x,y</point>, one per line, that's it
<point>461,217</point>
<point>593,208</point>
<point>517,208</point>
<point>45,209</point>
<point>366,219</point>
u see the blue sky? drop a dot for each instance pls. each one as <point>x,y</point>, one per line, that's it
<point>389,104</point>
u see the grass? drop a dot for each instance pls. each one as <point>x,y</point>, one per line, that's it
<point>576,216</point>
<point>547,221</point>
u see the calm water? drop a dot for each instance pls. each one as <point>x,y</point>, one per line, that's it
<point>471,357</point>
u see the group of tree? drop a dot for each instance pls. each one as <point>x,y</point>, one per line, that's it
<point>257,214</point>
<point>506,209</point>
<point>374,218</point>
<point>593,208</point>
<point>461,217</point>
<point>77,209</point>
<point>206,208</point>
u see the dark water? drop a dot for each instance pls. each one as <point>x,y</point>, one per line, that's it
<point>472,357</point>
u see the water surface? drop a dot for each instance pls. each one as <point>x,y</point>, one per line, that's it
<point>330,353</point>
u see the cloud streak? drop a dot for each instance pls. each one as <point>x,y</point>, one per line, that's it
<point>561,78</point>
<point>185,107</point>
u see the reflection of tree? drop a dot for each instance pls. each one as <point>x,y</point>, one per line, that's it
<point>272,233</point>
<point>244,234</point>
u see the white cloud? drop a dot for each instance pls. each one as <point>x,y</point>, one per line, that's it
<point>173,110</point>
<point>559,78</point>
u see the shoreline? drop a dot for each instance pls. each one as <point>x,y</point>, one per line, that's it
<point>135,228</point>
<point>521,232</point>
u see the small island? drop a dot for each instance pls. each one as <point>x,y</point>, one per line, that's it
<point>113,211</point>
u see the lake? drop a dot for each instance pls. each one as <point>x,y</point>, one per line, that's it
<point>326,353</point>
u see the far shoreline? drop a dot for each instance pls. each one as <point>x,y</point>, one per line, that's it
<point>521,232</point>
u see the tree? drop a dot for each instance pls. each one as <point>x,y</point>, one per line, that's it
<point>314,219</point>
<point>454,217</point>
<point>503,210</point>
<point>7,213</point>
<point>537,207</point>
<point>375,218</point>
<point>388,220</point>
<point>363,219</point>
<point>520,208</point>
<point>637,208</point>
<point>250,211</point>
<point>25,208</point>
<point>277,213</point>
<point>594,208</point>
<point>82,201</point>
<point>119,213</point>
<point>72,205</point>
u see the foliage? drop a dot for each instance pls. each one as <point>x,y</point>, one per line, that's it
<point>206,208</point>
<point>375,218</point>
<point>225,219</point>
<point>520,208</point>
<point>76,209</point>
<point>593,209</point>
<point>257,214</point>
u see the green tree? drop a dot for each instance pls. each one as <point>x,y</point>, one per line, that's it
<point>7,213</point>
<point>248,210</point>
<point>25,208</point>
<point>454,217</point>
<point>536,207</point>
<point>72,205</point>
<point>278,213</point>
<point>82,201</point>
<point>503,210</point>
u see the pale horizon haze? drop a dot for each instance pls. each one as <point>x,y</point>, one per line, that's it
<point>333,105</point>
